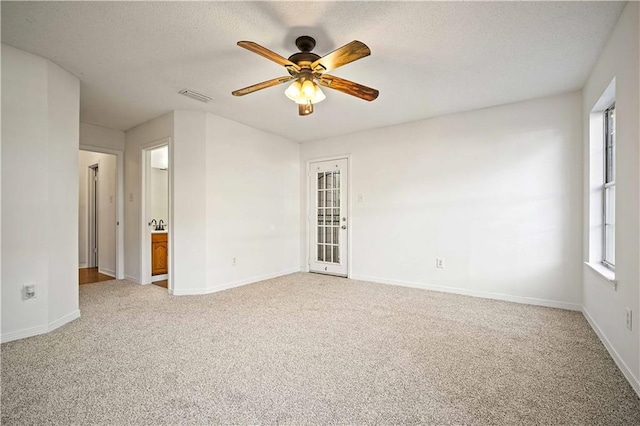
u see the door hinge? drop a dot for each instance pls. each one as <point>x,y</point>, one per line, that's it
<point>95,250</point>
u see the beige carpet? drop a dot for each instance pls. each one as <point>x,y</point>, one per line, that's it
<point>311,349</point>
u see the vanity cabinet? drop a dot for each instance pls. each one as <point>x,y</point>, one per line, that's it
<point>159,253</point>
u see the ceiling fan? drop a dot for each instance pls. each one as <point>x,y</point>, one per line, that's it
<point>308,71</point>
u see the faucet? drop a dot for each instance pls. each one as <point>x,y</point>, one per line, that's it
<point>160,226</point>
<point>154,223</point>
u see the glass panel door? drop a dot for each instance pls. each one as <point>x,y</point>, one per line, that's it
<point>328,236</point>
<point>328,223</point>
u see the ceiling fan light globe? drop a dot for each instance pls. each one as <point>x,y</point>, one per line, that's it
<point>320,96</point>
<point>293,92</point>
<point>308,90</point>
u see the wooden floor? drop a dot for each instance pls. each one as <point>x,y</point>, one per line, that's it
<point>163,283</point>
<point>91,275</point>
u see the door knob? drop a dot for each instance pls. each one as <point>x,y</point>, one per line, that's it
<point>344,227</point>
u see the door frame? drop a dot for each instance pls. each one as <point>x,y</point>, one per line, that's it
<point>92,217</point>
<point>119,202</point>
<point>145,232</point>
<point>349,205</point>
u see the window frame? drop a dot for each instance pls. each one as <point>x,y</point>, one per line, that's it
<point>609,181</point>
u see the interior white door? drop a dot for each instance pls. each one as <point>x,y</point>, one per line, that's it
<point>329,217</point>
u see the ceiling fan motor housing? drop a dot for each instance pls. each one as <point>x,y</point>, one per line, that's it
<point>304,57</point>
<point>305,43</point>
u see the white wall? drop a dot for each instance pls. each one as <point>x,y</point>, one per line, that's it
<point>24,101</point>
<point>106,210</point>
<point>101,137</point>
<point>160,158</point>
<point>159,184</point>
<point>187,234</point>
<point>159,187</point>
<point>235,194</point>
<point>253,204</point>
<point>40,105</point>
<point>605,306</point>
<point>135,138</point>
<point>495,192</point>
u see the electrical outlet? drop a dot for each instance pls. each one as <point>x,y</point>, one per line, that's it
<point>233,262</point>
<point>629,319</point>
<point>29,291</point>
<point>439,262</point>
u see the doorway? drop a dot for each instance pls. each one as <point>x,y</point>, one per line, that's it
<point>92,219</point>
<point>329,217</point>
<point>97,216</point>
<point>155,214</point>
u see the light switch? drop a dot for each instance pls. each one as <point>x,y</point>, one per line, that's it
<point>131,196</point>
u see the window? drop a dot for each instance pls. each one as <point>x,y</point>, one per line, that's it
<point>601,186</point>
<point>609,188</point>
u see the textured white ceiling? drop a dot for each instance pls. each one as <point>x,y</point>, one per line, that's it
<point>428,59</point>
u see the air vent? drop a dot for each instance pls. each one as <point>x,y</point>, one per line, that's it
<point>195,95</point>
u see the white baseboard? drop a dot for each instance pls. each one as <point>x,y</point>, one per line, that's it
<point>107,272</point>
<point>65,319</point>
<point>83,265</point>
<point>41,329</point>
<point>230,285</point>
<point>27,332</point>
<point>132,278</point>
<point>633,381</point>
<point>156,278</point>
<point>475,293</point>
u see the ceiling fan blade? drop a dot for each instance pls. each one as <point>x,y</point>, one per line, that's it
<point>263,51</point>
<point>348,87</point>
<point>263,85</point>
<point>341,56</point>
